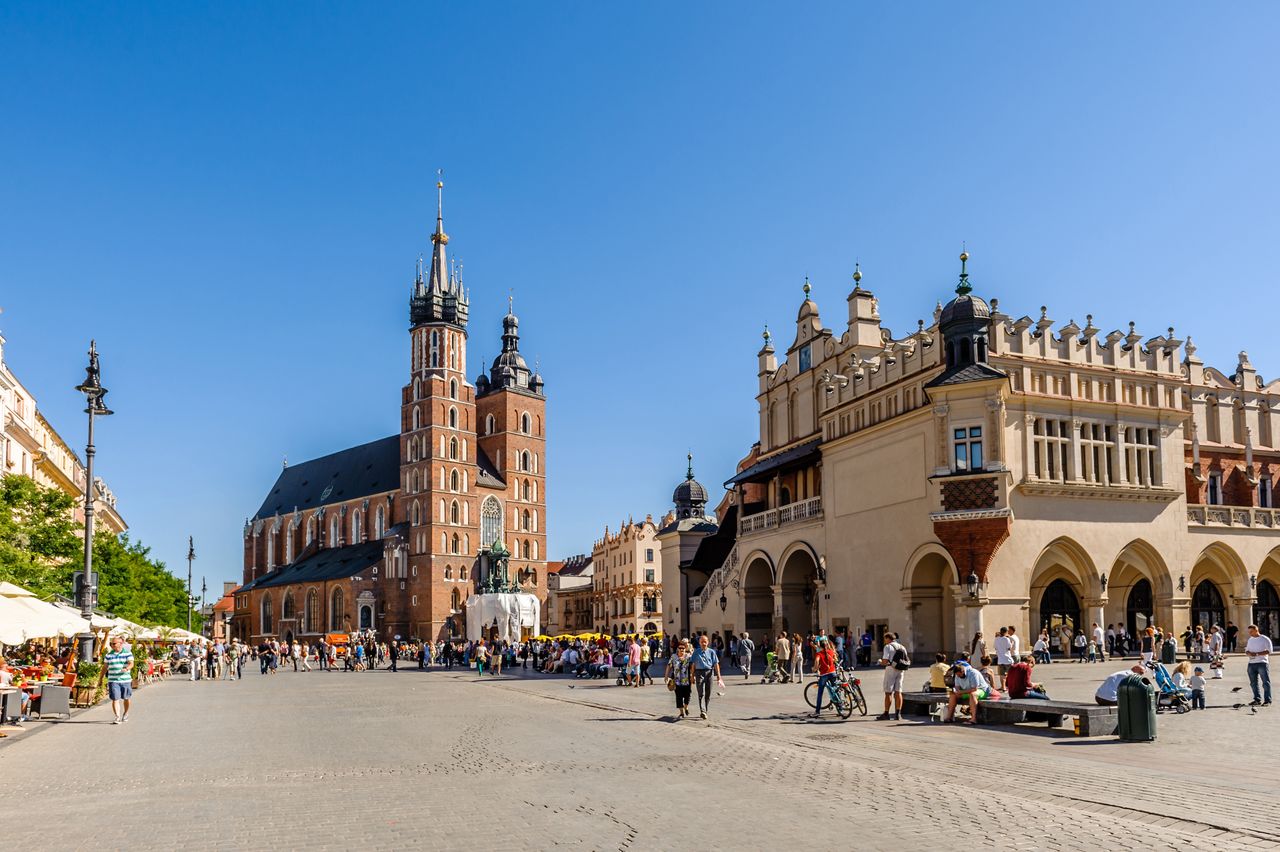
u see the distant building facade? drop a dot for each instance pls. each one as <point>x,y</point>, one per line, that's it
<point>393,536</point>
<point>627,580</point>
<point>988,470</point>
<point>569,596</point>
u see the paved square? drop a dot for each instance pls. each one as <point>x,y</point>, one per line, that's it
<point>443,760</point>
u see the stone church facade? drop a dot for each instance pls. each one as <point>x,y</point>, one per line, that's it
<point>393,536</point>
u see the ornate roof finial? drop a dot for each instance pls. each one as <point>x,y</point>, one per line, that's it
<point>806,288</point>
<point>964,288</point>
<point>767,336</point>
<point>857,274</point>
<point>285,464</point>
<point>440,236</point>
<point>689,474</point>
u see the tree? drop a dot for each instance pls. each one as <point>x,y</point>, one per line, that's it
<point>38,542</point>
<point>132,585</point>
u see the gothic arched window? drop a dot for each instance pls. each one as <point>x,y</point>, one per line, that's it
<point>455,549</point>
<point>490,521</point>
<point>453,418</point>
<point>453,389</point>
<point>266,614</point>
<point>524,520</point>
<point>311,612</point>
<point>488,425</point>
<point>336,610</point>
<point>524,423</point>
<point>453,448</point>
<point>453,479</point>
<point>355,527</point>
<point>454,513</point>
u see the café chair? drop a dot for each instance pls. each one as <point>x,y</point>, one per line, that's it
<point>52,699</point>
<point>11,707</point>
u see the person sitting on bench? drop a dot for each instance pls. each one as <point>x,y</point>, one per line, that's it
<point>969,686</point>
<point>1018,684</point>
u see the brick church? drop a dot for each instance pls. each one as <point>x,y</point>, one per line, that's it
<point>394,535</point>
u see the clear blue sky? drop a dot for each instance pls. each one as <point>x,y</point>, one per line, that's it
<point>231,198</point>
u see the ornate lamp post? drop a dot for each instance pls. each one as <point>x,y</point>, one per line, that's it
<point>93,392</point>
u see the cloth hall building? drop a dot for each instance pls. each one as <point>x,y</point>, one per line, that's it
<point>989,469</point>
<point>394,536</point>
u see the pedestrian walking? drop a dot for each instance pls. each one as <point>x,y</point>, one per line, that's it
<point>480,655</point>
<point>646,658</point>
<point>119,663</point>
<point>1258,648</point>
<point>1099,645</point>
<point>782,653</point>
<point>978,647</point>
<point>680,677</point>
<point>746,648</point>
<point>896,661</point>
<point>797,658</point>
<point>706,663</point>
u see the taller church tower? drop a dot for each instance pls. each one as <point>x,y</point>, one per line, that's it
<point>438,445</point>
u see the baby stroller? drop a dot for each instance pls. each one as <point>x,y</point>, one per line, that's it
<point>772,672</point>
<point>1170,696</point>
<point>620,661</point>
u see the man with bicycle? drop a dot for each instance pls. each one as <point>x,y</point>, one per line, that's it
<point>824,663</point>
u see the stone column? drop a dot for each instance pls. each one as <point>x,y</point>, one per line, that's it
<point>995,428</point>
<point>1240,611</point>
<point>1121,464</point>
<point>941,425</point>
<point>1096,609</point>
<point>1077,463</point>
<point>777,611</point>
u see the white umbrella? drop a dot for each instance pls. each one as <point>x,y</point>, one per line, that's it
<point>9,590</point>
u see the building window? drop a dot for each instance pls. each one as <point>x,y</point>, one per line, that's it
<point>448,572</point>
<point>454,513</point>
<point>525,489</point>
<point>488,425</point>
<point>1098,450</point>
<point>1052,443</point>
<point>415,600</point>
<point>524,520</point>
<point>463,573</point>
<point>453,479</point>
<point>453,448</point>
<point>967,443</point>
<point>806,358</point>
<point>490,521</point>
<point>455,601</point>
<point>648,554</point>
<point>1215,489</point>
<point>335,532</point>
<point>1142,455</point>
<point>456,549</point>
<point>355,527</point>
<point>649,574</point>
<point>337,610</point>
<point>311,612</point>
<point>417,418</point>
<point>453,418</point>
<point>1264,492</point>
<point>453,389</point>
<point>524,423</point>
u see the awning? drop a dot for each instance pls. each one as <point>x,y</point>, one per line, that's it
<point>800,456</point>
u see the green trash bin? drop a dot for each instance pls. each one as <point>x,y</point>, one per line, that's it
<point>1169,652</point>
<point>1137,711</point>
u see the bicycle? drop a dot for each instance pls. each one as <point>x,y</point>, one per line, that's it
<point>846,683</point>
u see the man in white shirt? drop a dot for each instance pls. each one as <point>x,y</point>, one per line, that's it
<point>1003,646</point>
<point>1108,694</point>
<point>895,661</point>
<point>1100,640</point>
<point>1259,650</point>
<point>1015,645</point>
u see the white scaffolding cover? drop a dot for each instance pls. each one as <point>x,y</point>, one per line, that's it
<point>511,611</point>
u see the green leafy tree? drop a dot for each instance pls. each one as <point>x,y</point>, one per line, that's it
<point>38,542</point>
<point>132,585</point>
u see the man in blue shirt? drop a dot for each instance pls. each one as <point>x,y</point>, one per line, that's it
<point>706,662</point>
<point>968,685</point>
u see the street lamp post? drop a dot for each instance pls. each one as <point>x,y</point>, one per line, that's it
<point>191,555</point>
<point>204,593</point>
<point>93,392</point>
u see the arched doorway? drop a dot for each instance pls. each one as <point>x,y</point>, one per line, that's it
<point>1139,607</point>
<point>1059,607</point>
<point>757,596</point>
<point>799,592</point>
<point>1207,607</point>
<point>932,610</point>
<point>1266,612</point>
<point>366,617</point>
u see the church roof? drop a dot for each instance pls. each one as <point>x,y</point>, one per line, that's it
<point>966,373</point>
<point>488,474</point>
<point>371,468</point>
<point>331,563</point>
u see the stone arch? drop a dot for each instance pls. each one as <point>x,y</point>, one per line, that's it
<point>756,591</point>
<point>928,580</point>
<point>797,584</point>
<point>1138,585</point>
<point>1221,564</point>
<point>1064,570</point>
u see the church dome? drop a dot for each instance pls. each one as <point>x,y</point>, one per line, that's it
<point>689,491</point>
<point>963,308</point>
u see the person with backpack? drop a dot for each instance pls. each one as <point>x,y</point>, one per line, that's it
<point>896,661</point>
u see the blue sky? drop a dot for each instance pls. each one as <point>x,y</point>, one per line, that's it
<point>231,198</point>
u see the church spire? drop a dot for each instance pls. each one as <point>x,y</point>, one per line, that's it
<point>439,277</point>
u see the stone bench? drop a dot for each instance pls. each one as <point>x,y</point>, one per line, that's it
<point>1095,720</point>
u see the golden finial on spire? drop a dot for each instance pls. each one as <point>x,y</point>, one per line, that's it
<point>806,287</point>
<point>857,273</point>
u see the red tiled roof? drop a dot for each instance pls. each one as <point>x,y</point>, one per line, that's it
<point>554,567</point>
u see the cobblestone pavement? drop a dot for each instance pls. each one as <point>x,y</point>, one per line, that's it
<point>443,760</point>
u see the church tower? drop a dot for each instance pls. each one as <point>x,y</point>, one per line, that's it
<point>438,445</point>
